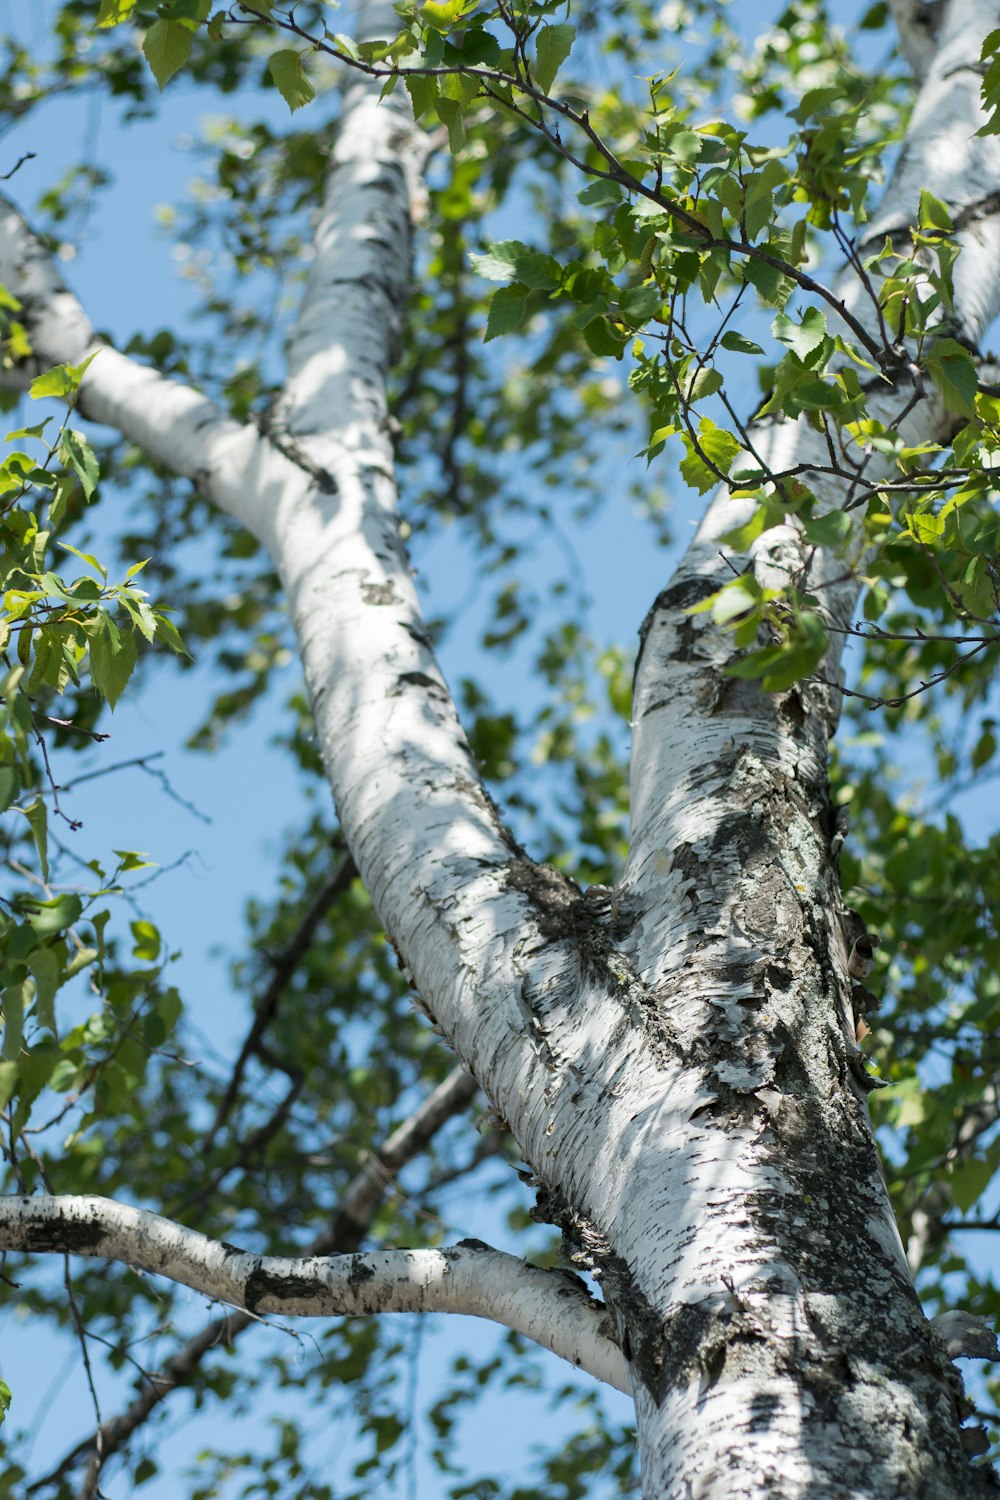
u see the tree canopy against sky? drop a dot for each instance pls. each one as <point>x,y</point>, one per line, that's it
<point>770,269</point>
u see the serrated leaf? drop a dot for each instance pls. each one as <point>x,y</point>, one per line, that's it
<point>441,14</point>
<point>167,632</point>
<point>720,449</point>
<point>507,311</point>
<point>87,557</point>
<point>59,382</point>
<point>600,194</point>
<point>954,374</point>
<point>603,340</point>
<point>423,92</point>
<point>451,113</point>
<point>511,261</point>
<point>771,284</point>
<point>167,47</point>
<point>705,382</point>
<point>552,47</point>
<point>8,1083</point>
<point>81,458</point>
<point>802,338</point>
<point>288,72</point>
<point>112,657</point>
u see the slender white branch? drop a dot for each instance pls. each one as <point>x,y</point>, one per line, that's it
<point>172,423</point>
<point>549,1307</point>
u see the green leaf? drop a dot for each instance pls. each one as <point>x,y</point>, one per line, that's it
<point>8,1083</point>
<point>802,338</point>
<point>706,382</point>
<point>600,194</point>
<point>772,285</point>
<point>451,112</point>
<point>741,538</point>
<point>720,449</point>
<point>603,340</point>
<point>14,1004</point>
<point>441,14</point>
<point>640,303</point>
<point>59,382</point>
<point>933,214</point>
<point>552,47</point>
<point>170,636</point>
<point>79,455</point>
<point>985,748</point>
<point>507,311</point>
<point>147,943</point>
<point>512,261</point>
<point>166,47</point>
<point>50,917</point>
<point>968,1182</point>
<point>829,530</point>
<point>38,822</point>
<point>288,72</point>
<point>87,557</point>
<point>423,92</point>
<point>816,102</point>
<point>113,12</point>
<point>112,657</point>
<point>739,345</point>
<point>735,599</point>
<point>954,374</point>
<point>10,785</point>
<point>47,973</point>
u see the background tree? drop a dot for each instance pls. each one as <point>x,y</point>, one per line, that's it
<point>666,1025</point>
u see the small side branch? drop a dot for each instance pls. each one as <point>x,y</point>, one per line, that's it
<point>342,1234</point>
<point>549,1307</point>
<point>174,424</point>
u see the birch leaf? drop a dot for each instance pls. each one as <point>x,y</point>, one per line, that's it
<point>551,50</point>
<point>288,72</point>
<point>167,47</point>
<point>953,372</point>
<point>507,311</point>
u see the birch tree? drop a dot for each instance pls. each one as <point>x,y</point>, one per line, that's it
<point>675,1033</point>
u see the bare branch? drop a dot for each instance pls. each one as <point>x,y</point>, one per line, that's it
<point>553,1308</point>
<point>343,1234</point>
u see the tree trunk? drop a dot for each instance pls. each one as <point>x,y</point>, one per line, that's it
<point>676,1058</point>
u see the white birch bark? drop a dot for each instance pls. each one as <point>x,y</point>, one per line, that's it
<point>550,1307</point>
<point>676,1062</point>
